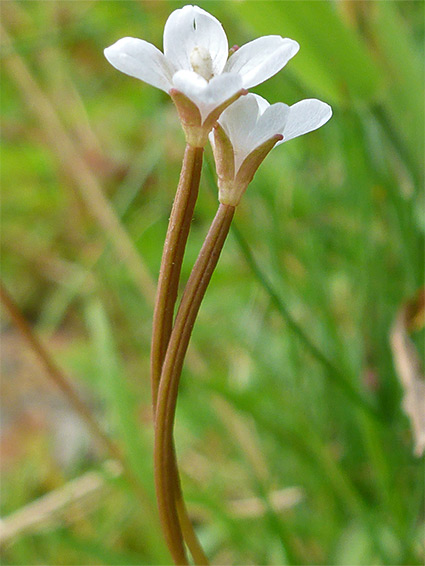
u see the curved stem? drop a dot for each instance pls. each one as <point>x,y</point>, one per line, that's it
<point>171,371</point>
<point>172,258</point>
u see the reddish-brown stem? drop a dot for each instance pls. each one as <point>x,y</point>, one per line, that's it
<point>172,258</point>
<point>165,467</point>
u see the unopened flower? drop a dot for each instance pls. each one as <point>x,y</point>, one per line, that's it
<point>195,68</point>
<point>249,129</point>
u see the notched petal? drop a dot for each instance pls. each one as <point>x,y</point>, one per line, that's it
<point>190,27</point>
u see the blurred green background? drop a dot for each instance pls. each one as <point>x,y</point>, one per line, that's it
<point>292,441</point>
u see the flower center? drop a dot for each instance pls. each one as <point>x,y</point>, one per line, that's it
<point>201,62</point>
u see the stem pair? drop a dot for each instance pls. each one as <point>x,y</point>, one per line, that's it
<point>169,347</point>
<point>168,281</point>
<point>171,371</point>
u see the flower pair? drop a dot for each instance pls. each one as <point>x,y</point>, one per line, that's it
<point>209,89</point>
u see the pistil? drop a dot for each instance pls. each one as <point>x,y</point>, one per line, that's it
<point>201,62</point>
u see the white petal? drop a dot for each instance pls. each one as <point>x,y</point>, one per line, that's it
<point>306,116</point>
<point>191,27</point>
<point>262,58</point>
<point>207,95</point>
<point>251,121</point>
<point>189,82</point>
<point>270,123</point>
<point>262,103</point>
<point>140,59</point>
<point>239,119</point>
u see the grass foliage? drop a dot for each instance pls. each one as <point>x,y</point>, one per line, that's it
<point>290,381</point>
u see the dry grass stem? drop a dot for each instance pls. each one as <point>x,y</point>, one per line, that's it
<point>409,367</point>
<point>80,493</point>
<point>280,501</point>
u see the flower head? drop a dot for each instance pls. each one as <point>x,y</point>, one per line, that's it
<point>195,68</point>
<point>249,129</point>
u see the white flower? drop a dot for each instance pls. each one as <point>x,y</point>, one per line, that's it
<point>248,130</point>
<point>196,63</point>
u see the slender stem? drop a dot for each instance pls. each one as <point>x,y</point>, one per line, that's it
<point>172,258</point>
<point>186,526</point>
<point>171,371</point>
